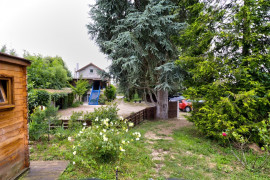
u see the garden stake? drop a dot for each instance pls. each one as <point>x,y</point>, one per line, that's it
<point>116,173</point>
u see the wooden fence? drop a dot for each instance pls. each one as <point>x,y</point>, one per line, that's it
<point>138,117</point>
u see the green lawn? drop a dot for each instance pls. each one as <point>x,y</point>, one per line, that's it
<point>189,155</point>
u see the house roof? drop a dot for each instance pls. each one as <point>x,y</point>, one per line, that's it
<point>14,59</point>
<point>90,64</point>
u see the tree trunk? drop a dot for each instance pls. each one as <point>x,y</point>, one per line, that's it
<point>162,104</point>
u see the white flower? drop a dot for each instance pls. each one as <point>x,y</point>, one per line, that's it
<point>123,142</point>
<point>137,134</point>
<point>81,132</point>
<point>96,126</point>
<point>104,130</point>
<point>128,142</point>
<point>131,124</point>
<point>121,118</point>
<point>74,162</point>
<point>84,123</point>
<point>126,130</point>
<point>96,119</point>
<point>137,139</point>
<point>100,133</point>
<point>105,138</point>
<point>69,138</point>
<point>74,153</point>
<point>112,130</point>
<point>121,149</point>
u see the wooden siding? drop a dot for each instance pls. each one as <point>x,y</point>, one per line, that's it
<point>14,152</point>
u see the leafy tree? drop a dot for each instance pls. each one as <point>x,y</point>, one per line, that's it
<point>47,72</point>
<point>80,88</point>
<point>225,52</point>
<point>137,37</point>
<point>3,49</point>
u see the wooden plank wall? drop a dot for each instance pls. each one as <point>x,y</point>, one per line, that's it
<point>173,110</point>
<point>14,152</point>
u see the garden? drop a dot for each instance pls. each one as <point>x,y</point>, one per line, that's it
<point>157,149</point>
<point>214,51</point>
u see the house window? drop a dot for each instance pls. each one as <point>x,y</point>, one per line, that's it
<point>5,93</point>
<point>91,70</point>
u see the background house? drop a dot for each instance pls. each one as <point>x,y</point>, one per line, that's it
<point>92,74</point>
<point>14,152</point>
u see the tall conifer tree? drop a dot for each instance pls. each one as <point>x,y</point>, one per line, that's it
<point>137,38</point>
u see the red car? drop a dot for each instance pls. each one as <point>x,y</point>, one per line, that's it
<point>185,105</point>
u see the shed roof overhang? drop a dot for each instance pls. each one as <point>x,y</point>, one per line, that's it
<point>14,60</point>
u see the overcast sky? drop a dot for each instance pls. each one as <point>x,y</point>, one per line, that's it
<point>50,28</point>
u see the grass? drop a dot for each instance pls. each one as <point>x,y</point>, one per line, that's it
<point>189,155</point>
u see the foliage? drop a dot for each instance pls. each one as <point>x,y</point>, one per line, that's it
<point>225,53</point>
<point>73,123</point>
<point>3,49</point>
<point>80,88</point>
<point>37,98</point>
<point>136,97</point>
<point>261,156</point>
<point>110,92</point>
<point>70,99</point>
<point>76,104</point>
<point>200,157</point>
<point>104,112</point>
<point>137,38</point>
<point>47,72</point>
<point>101,99</point>
<point>108,142</point>
<point>40,121</point>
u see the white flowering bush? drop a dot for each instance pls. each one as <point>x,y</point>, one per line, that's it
<point>104,141</point>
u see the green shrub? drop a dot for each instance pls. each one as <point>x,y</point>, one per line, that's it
<point>104,112</point>
<point>73,123</point>
<point>37,98</point>
<point>136,97</point>
<point>40,120</point>
<point>110,92</point>
<point>76,104</point>
<point>60,133</point>
<point>43,97</point>
<point>241,113</point>
<point>70,99</point>
<point>103,142</point>
<point>101,100</point>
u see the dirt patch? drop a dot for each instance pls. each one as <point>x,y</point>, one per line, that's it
<point>158,154</point>
<point>152,136</point>
<point>255,148</point>
<point>212,165</point>
<point>174,124</point>
<point>164,133</point>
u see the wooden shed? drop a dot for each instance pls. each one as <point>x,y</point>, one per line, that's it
<point>14,152</point>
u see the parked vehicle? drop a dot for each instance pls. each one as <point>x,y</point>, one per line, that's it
<point>176,98</point>
<point>185,105</point>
